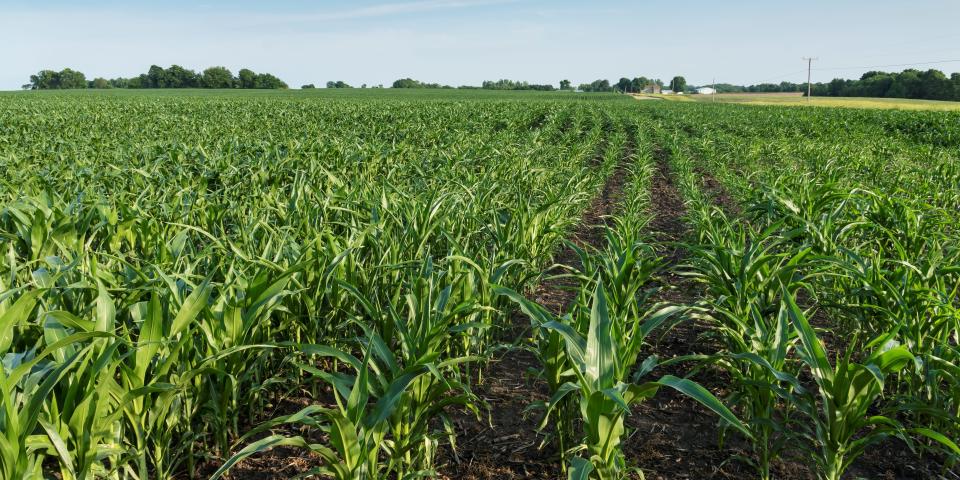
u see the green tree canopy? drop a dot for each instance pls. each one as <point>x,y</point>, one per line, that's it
<point>246,78</point>
<point>53,80</point>
<point>596,86</point>
<point>678,84</point>
<point>930,85</point>
<point>217,77</point>
<point>268,81</point>
<point>506,84</point>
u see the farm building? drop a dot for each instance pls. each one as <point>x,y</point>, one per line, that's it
<point>666,91</point>
<point>651,88</point>
<point>706,91</point>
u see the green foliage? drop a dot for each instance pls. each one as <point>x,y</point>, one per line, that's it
<point>411,83</point>
<point>217,77</point>
<point>158,77</point>
<point>173,267</point>
<point>53,80</point>
<point>163,284</point>
<point>930,85</point>
<point>505,84</point>
<point>596,86</point>
<point>866,244</point>
<point>678,84</point>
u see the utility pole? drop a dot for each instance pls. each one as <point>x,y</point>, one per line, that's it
<point>713,98</point>
<point>809,65</point>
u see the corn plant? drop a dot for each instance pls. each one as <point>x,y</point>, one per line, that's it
<point>838,408</point>
<point>412,376</point>
<point>744,274</point>
<point>606,384</point>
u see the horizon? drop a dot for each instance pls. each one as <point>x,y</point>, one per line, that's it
<point>465,42</point>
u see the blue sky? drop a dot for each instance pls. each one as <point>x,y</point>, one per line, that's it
<point>467,41</point>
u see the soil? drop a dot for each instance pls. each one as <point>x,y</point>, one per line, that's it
<point>672,437</point>
<point>505,445</point>
<point>718,194</point>
<point>281,462</point>
<point>675,437</point>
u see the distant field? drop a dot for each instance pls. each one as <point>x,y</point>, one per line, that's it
<point>799,99</point>
<point>399,94</point>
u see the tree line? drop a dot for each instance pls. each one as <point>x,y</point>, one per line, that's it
<point>221,77</point>
<point>625,85</point>
<point>929,85</point>
<point>157,77</point>
<point>630,85</point>
<point>504,84</point>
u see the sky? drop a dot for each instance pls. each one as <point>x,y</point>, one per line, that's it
<point>463,42</point>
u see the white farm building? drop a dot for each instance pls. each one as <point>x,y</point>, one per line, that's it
<point>706,91</point>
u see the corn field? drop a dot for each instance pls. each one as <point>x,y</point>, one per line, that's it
<point>195,286</point>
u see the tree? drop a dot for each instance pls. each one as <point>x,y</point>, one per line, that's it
<point>268,81</point>
<point>140,81</point>
<point>44,80</point>
<point>179,77</point>
<point>934,85</point>
<point>307,86</point>
<point>411,83</point>
<point>596,86</point>
<point>565,85</point>
<point>156,77</point>
<point>639,83</point>
<point>678,84</point>
<point>910,84</point>
<point>246,78</point>
<point>836,87</point>
<point>338,84</point>
<point>407,83</point>
<point>506,84</point>
<point>100,83</point>
<point>217,77</point>
<point>50,79</point>
<point>72,79</point>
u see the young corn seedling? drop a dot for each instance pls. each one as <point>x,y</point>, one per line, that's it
<point>838,406</point>
<point>744,274</point>
<point>605,384</point>
<point>410,376</point>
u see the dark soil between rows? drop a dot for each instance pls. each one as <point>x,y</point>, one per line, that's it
<point>677,438</point>
<point>506,444</point>
<point>672,437</point>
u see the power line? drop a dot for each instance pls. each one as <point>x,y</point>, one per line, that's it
<point>785,75</point>
<point>866,67</point>
<point>890,65</point>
